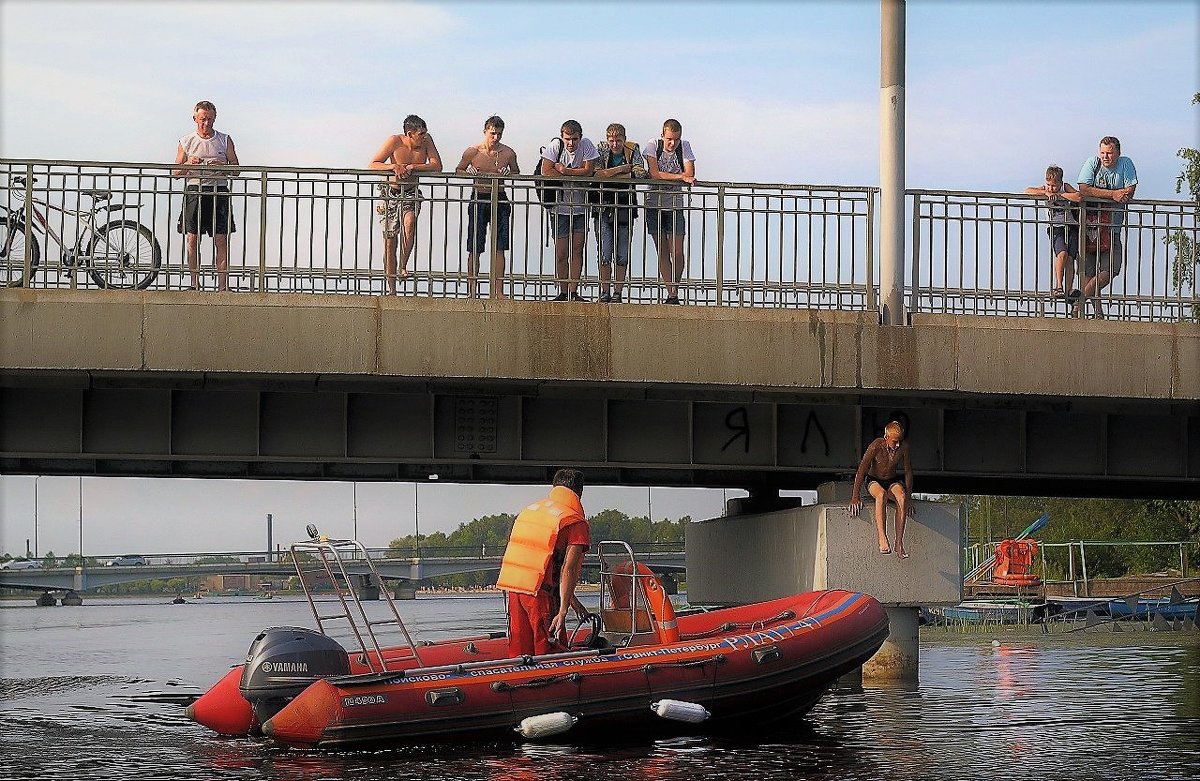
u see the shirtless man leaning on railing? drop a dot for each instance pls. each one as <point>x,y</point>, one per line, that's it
<point>494,158</point>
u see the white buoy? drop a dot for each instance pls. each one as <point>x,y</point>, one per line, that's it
<point>546,724</point>
<point>678,710</point>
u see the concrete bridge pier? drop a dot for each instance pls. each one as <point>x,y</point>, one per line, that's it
<point>899,657</point>
<point>405,589</point>
<point>772,552</point>
<point>364,588</point>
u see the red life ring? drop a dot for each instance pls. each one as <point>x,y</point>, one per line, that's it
<point>654,595</point>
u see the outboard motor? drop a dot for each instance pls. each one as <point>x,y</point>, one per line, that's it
<point>283,661</point>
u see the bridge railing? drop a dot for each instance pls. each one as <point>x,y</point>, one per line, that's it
<point>318,230</point>
<point>989,253</point>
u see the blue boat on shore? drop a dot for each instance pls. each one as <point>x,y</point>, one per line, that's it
<point>988,611</point>
<point>1148,608</point>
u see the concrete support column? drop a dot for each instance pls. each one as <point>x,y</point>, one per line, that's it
<point>891,163</point>
<point>365,588</point>
<point>405,589</point>
<point>899,658</point>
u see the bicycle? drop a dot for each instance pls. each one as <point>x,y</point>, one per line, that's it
<point>122,254</point>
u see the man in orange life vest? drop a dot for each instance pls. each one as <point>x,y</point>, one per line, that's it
<point>541,566</point>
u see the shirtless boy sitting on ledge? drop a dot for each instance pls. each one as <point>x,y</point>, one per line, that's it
<point>880,465</point>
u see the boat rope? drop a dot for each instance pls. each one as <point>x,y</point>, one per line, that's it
<point>715,659</point>
<point>537,683</point>
<point>729,626</point>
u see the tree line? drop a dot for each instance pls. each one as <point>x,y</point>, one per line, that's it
<point>993,518</point>
<point>488,536</point>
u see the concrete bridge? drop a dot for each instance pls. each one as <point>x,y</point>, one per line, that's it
<point>786,369</point>
<point>369,388</point>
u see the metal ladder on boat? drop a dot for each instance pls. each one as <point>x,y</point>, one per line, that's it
<point>330,558</point>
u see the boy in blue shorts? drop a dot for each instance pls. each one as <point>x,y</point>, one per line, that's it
<point>1063,230</point>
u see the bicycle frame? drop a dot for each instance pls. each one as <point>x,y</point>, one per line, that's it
<point>86,219</point>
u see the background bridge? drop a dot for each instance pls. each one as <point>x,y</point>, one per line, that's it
<point>391,565</point>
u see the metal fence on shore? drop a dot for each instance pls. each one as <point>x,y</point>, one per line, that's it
<point>317,230</point>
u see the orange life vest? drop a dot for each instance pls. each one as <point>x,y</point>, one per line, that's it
<point>531,543</point>
<point>1014,558</point>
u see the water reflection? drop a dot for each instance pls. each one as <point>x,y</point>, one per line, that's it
<point>100,693</point>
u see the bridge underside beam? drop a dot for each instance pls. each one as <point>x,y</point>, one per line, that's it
<point>310,427</point>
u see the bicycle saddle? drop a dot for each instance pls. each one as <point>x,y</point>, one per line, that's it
<point>99,195</point>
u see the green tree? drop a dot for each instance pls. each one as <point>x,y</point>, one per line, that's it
<point>1071,520</point>
<point>1185,260</point>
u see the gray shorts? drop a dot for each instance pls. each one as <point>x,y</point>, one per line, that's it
<point>395,201</point>
<point>1111,260</point>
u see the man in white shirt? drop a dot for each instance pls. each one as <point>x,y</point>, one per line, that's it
<point>569,155</point>
<point>669,159</point>
<point>206,195</point>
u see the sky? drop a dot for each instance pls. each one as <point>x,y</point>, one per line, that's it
<point>766,92</point>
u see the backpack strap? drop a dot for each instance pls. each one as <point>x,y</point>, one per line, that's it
<point>557,155</point>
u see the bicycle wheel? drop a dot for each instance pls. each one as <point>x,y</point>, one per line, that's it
<point>124,255</point>
<point>13,251</point>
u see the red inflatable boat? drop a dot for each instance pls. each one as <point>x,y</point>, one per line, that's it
<point>628,669</point>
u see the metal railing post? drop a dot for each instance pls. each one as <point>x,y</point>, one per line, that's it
<point>872,301</point>
<point>1071,569</point>
<point>1087,589</point>
<point>262,232</point>
<point>27,278</point>
<point>914,284</point>
<point>720,244</point>
<point>494,283</point>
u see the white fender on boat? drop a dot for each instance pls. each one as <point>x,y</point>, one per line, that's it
<point>546,724</point>
<point>678,710</point>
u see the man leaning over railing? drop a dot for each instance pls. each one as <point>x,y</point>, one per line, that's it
<point>488,157</point>
<point>404,154</point>
<point>1106,177</point>
<point>206,195</point>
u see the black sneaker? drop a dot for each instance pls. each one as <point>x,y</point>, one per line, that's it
<point>604,298</point>
<point>577,297</point>
<point>671,300</point>
<point>560,297</point>
<point>1074,295</point>
<point>615,298</point>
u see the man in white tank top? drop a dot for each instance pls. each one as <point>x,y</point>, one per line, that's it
<point>206,197</point>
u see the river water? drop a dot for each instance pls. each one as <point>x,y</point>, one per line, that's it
<point>98,692</point>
